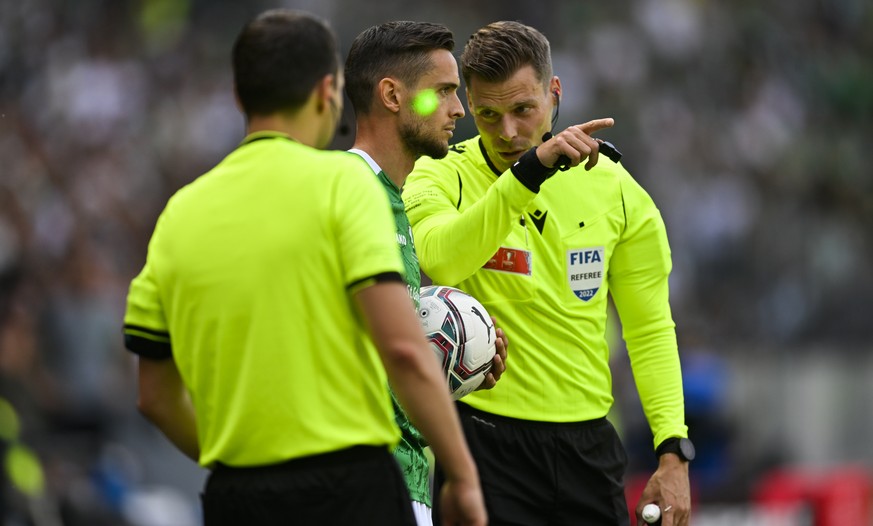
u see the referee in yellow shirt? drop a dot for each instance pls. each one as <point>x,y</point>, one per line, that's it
<point>542,250</point>
<point>272,304</point>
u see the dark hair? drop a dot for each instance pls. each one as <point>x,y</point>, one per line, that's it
<point>495,52</point>
<point>394,49</point>
<point>279,57</point>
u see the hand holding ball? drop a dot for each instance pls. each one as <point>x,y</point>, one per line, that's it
<point>461,335</point>
<point>651,513</point>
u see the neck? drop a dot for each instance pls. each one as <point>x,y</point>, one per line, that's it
<point>299,126</point>
<point>381,140</point>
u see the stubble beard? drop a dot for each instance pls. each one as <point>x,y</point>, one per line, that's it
<point>417,140</point>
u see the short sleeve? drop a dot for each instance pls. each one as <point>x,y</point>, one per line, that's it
<point>365,230</point>
<point>145,324</point>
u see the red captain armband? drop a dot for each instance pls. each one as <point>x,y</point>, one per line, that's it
<point>512,260</point>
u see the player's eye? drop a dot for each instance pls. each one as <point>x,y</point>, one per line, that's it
<point>523,110</point>
<point>488,115</point>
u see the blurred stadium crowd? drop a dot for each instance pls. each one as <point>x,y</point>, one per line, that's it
<point>750,123</point>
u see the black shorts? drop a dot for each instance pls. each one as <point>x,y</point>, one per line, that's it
<point>357,486</point>
<point>544,473</point>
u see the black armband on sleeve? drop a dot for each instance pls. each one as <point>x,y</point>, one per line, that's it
<point>530,172</point>
<point>147,348</point>
<point>384,277</point>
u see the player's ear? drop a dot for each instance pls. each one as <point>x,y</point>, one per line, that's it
<point>555,89</point>
<point>390,96</point>
<point>236,99</point>
<point>324,92</point>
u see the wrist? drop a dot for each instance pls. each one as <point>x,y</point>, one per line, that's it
<point>467,474</point>
<point>530,171</point>
<point>679,447</point>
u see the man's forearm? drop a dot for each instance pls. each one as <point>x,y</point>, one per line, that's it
<point>164,400</point>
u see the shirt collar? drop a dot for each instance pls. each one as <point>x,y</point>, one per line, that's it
<point>265,134</point>
<point>366,156</point>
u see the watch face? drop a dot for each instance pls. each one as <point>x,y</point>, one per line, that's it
<point>687,448</point>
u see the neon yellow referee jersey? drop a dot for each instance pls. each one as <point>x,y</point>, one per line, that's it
<point>248,284</point>
<point>543,264</point>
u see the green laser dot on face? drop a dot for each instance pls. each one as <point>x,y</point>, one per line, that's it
<point>425,102</point>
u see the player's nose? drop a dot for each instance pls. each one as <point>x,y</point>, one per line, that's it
<point>457,109</point>
<point>506,129</point>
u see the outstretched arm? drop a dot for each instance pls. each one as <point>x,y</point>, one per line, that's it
<point>454,240</point>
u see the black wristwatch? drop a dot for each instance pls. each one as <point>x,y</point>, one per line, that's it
<point>682,447</point>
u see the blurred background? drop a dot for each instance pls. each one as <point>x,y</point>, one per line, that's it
<point>749,122</point>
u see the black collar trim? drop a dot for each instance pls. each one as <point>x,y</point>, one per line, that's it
<point>487,160</point>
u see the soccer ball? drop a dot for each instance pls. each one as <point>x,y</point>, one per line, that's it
<point>461,334</point>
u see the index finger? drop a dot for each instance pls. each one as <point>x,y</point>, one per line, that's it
<point>597,124</point>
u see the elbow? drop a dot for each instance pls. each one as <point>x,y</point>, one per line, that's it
<point>149,408</point>
<point>448,267</point>
<point>444,274</point>
<point>407,360</point>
